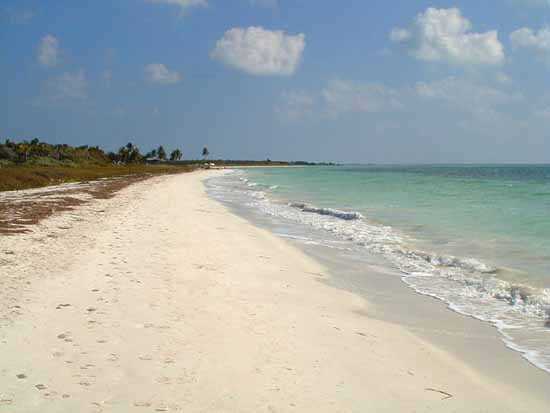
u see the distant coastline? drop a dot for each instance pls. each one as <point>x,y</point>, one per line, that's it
<point>30,164</point>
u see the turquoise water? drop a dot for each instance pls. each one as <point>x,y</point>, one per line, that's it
<point>498,214</point>
<point>476,237</point>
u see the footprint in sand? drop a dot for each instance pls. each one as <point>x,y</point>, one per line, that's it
<point>21,376</point>
<point>164,380</point>
<point>113,357</point>
<point>142,404</point>
<point>60,306</point>
<point>64,336</point>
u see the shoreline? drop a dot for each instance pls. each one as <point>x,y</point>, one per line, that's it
<point>473,287</point>
<point>131,310</point>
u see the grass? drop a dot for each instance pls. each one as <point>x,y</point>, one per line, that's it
<point>17,177</point>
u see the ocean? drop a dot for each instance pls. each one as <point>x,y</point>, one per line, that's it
<point>474,236</point>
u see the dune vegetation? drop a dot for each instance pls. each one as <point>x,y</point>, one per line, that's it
<point>29,164</point>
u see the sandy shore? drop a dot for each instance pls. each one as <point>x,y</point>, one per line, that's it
<point>159,299</point>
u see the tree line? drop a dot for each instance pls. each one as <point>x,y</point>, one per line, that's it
<point>35,150</point>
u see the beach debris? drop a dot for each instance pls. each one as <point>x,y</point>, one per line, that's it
<point>41,387</point>
<point>21,376</point>
<point>444,393</point>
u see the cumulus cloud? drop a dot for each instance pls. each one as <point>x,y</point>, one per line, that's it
<point>444,35</point>
<point>536,41</point>
<point>343,96</point>
<point>258,51</point>
<point>72,86</point>
<point>159,73</point>
<point>184,5</point>
<point>48,51</point>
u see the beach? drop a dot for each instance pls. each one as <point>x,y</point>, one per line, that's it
<point>161,299</point>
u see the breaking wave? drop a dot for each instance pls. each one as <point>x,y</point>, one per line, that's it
<point>337,213</point>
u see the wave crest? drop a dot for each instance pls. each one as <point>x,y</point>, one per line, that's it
<point>337,213</point>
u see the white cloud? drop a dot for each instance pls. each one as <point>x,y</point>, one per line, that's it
<point>400,35</point>
<point>258,51</point>
<point>184,5</point>
<point>48,51</point>
<point>343,96</point>
<point>159,73</point>
<point>466,95</point>
<point>526,38</point>
<point>295,105</point>
<point>457,97</point>
<point>444,35</point>
<point>69,86</point>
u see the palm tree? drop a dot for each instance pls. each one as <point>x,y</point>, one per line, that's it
<point>161,152</point>
<point>205,153</point>
<point>129,153</point>
<point>176,155</point>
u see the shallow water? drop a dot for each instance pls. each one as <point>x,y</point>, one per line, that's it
<point>477,237</point>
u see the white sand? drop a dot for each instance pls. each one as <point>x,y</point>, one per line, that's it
<point>161,300</point>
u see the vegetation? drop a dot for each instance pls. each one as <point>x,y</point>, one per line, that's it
<point>24,177</point>
<point>44,154</point>
<point>176,155</point>
<point>29,164</point>
<point>161,153</point>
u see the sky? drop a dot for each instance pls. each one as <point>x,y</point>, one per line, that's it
<point>374,81</point>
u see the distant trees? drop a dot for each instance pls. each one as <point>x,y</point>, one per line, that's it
<point>151,154</point>
<point>161,153</point>
<point>176,155</point>
<point>44,153</point>
<point>129,154</point>
<point>38,152</point>
<point>205,153</point>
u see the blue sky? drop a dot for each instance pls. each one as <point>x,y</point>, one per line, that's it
<point>354,80</point>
